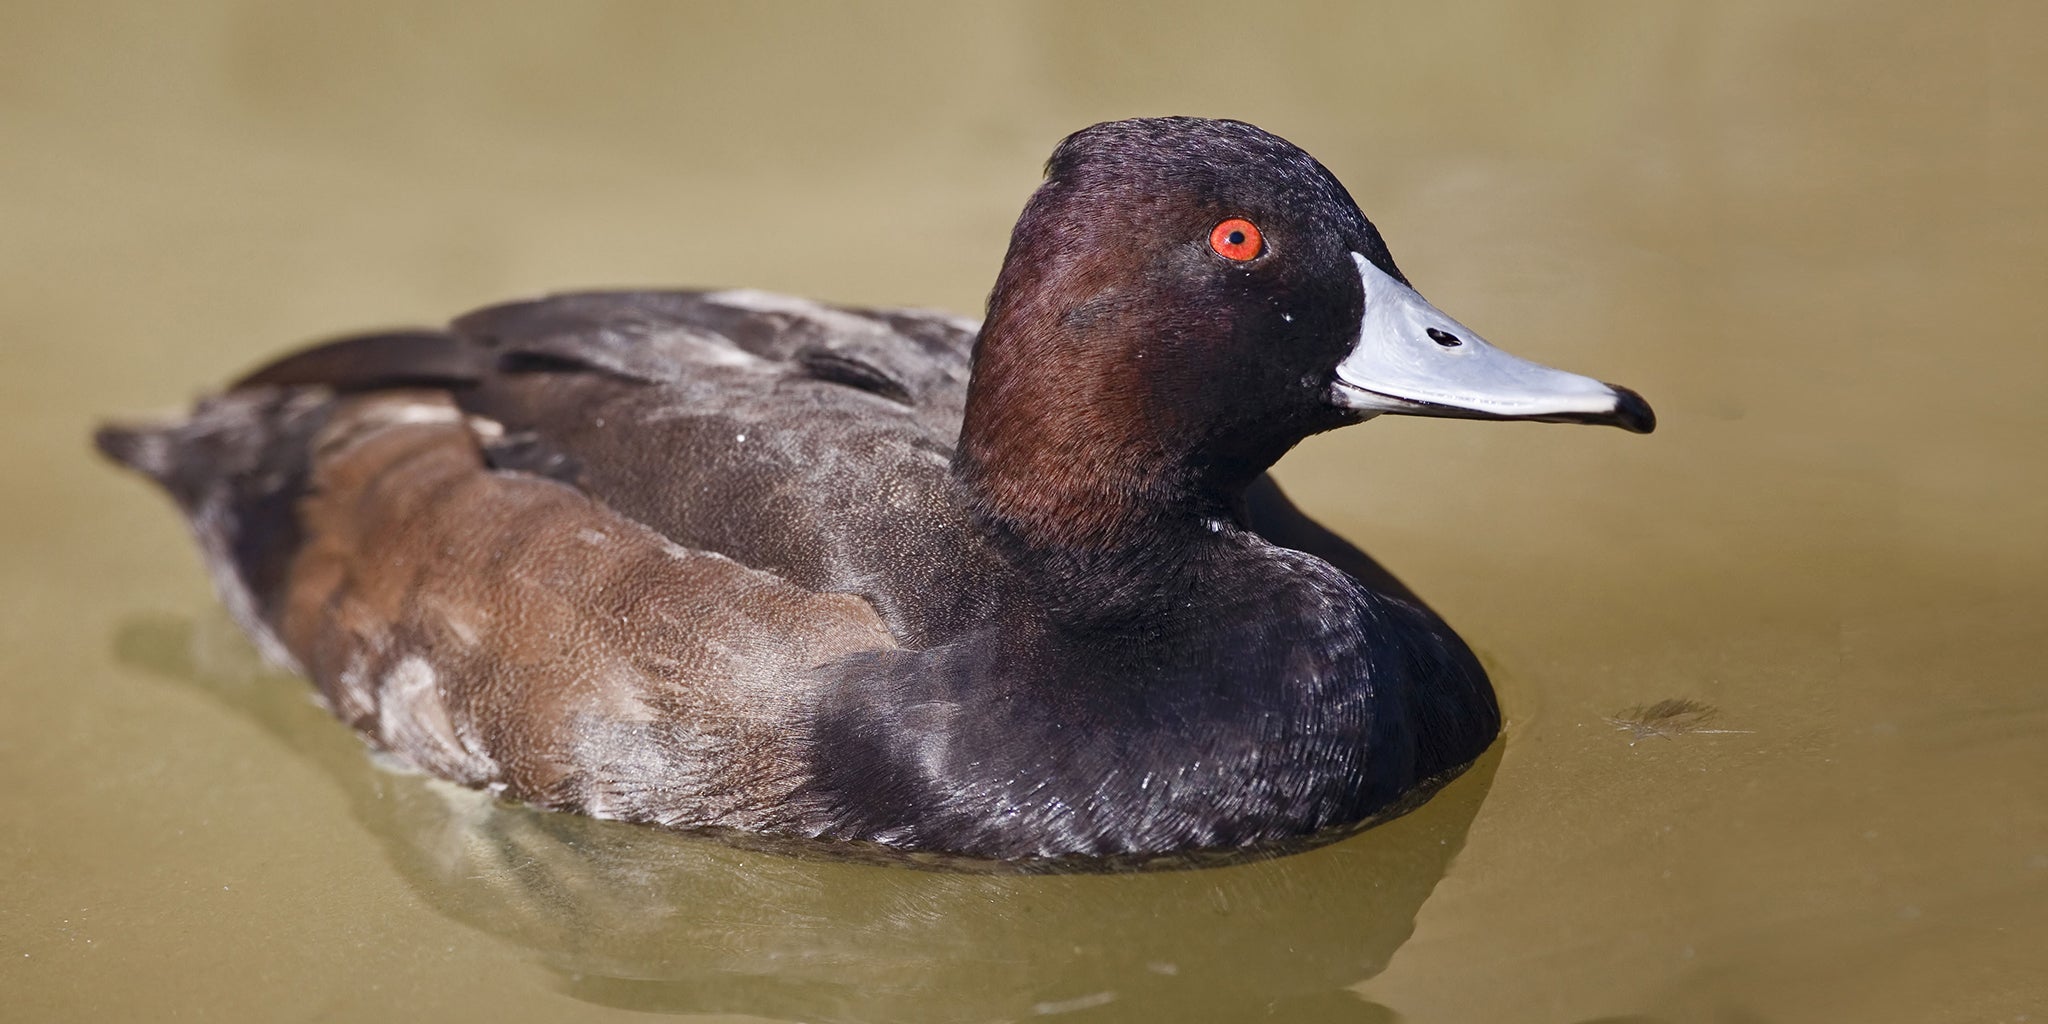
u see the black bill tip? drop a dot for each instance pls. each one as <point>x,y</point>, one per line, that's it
<point>1631,413</point>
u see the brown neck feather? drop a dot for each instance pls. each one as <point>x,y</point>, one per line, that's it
<point>1062,458</point>
<point>1054,463</point>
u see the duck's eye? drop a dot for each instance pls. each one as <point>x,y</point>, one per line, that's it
<point>1237,239</point>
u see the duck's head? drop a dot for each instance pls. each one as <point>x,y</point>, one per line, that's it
<point>1183,301</point>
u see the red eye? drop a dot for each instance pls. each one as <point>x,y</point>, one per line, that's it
<point>1237,239</point>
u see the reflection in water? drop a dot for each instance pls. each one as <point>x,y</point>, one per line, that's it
<point>648,920</point>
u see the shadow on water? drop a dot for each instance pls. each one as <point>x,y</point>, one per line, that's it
<point>637,918</point>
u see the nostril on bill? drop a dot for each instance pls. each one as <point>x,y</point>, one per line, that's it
<point>1444,338</point>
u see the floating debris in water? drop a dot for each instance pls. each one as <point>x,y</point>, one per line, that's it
<point>1667,718</point>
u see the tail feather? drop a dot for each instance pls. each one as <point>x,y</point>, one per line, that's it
<point>239,465</point>
<point>149,449</point>
<point>237,468</point>
<point>231,434</point>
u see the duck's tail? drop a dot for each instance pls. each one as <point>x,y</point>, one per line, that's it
<point>239,464</point>
<point>146,449</point>
<point>242,438</point>
<point>165,452</point>
<point>237,468</point>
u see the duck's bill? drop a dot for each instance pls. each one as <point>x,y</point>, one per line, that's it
<point>1413,360</point>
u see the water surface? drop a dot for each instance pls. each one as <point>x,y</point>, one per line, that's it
<point>1813,234</point>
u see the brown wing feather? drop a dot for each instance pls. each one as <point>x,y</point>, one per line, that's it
<point>506,631</point>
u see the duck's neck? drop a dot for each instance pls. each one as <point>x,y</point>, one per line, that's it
<point>1074,469</point>
<point>1102,518</point>
<point>1142,574</point>
<point>1121,503</point>
<point>1088,474</point>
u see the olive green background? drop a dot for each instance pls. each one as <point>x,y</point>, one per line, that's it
<point>1812,234</point>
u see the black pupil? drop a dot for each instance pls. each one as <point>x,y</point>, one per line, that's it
<point>1235,238</point>
<point>1444,338</point>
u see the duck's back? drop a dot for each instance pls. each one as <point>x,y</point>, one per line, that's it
<point>806,441</point>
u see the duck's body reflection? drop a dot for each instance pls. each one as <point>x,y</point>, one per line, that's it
<point>649,920</point>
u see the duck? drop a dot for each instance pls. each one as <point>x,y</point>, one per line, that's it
<point>736,562</point>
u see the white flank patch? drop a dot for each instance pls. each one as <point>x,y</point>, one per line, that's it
<point>414,720</point>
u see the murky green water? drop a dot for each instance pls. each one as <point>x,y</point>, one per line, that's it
<point>1815,235</point>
